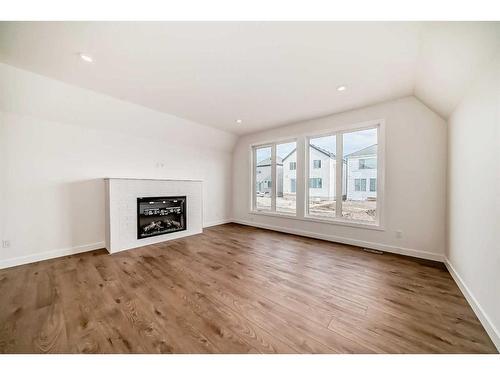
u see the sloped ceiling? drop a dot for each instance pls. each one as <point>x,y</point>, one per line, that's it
<point>451,55</point>
<point>265,73</point>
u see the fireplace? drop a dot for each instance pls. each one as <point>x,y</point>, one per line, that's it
<point>160,215</point>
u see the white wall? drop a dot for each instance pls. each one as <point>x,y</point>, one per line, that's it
<point>473,248</point>
<point>415,184</point>
<point>58,142</point>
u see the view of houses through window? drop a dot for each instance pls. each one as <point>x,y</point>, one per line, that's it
<point>322,170</point>
<point>286,171</point>
<point>285,178</point>
<point>360,157</point>
<point>263,178</point>
<point>359,176</point>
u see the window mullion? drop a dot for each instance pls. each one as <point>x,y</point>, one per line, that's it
<point>305,178</point>
<point>339,171</point>
<point>274,189</point>
<point>300,187</point>
<point>254,179</point>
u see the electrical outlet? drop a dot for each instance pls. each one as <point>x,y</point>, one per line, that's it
<point>5,244</point>
<point>399,234</point>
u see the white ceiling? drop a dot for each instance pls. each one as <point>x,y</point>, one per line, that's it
<point>451,56</point>
<point>265,73</point>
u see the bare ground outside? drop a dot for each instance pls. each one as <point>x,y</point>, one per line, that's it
<point>324,207</point>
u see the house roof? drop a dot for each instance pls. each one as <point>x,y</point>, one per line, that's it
<point>322,150</point>
<point>290,153</point>
<point>267,162</point>
<point>367,151</point>
<point>326,152</point>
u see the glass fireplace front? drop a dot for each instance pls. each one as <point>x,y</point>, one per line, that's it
<point>160,215</point>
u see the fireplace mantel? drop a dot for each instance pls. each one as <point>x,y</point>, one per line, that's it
<point>121,209</point>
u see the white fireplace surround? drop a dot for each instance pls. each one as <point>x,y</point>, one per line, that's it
<point>121,209</point>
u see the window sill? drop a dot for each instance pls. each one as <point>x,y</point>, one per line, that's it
<point>343,222</point>
<point>333,221</point>
<point>275,214</point>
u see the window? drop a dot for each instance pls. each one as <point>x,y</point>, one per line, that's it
<point>285,198</point>
<point>263,180</point>
<point>315,183</point>
<point>360,153</point>
<point>359,184</point>
<point>335,177</point>
<point>349,184</point>
<point>274,190</point>
<point>321,193</point>
<point>368,163</point>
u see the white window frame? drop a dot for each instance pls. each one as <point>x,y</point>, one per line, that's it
<point>254,177</point>
<point>274,185</point>
<point>339,133</point>
<point>302,177</point>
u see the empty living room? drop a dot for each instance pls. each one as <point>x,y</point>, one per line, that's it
<point>249,185</point>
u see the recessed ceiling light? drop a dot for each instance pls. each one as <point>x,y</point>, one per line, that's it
<point>86,58</point>
<point>239,121</point>
<point>341,88</point>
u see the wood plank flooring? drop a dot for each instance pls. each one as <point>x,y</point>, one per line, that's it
<point>236,289</point>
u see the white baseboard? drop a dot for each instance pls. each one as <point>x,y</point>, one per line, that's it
<point>17,261</point>
<point>488,325</point>
<point>217,222</point>
<point>50,254</point>
<point>349,241</point>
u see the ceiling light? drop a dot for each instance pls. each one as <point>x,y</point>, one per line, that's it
<point>239,121</point>
<point>341,88</point>
<point>86,58</point>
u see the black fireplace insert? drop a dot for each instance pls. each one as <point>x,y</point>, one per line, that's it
<point>160,215</point>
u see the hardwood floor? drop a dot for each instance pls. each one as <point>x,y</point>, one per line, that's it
<point>236,289</point>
